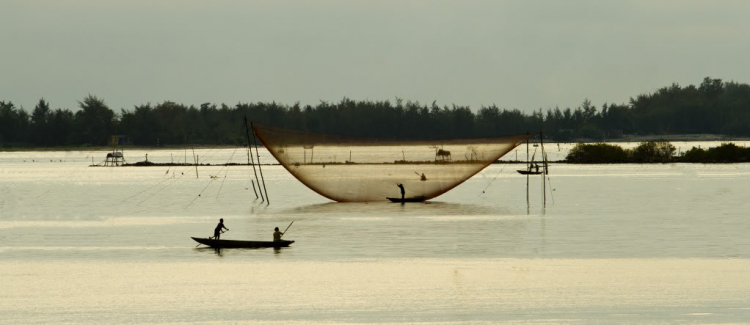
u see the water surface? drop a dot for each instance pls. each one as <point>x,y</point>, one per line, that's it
<point>615,243</point>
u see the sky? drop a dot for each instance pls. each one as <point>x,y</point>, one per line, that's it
<point>515,54</point>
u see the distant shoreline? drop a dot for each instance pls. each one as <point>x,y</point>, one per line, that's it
<point>109,148</point>
<point>624,139</point>
<point>668,138</point>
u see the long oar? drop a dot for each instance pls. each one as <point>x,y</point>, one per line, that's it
<point>287,228</point>
<point>196,246</point>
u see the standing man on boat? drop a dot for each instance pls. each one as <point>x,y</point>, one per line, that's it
<point>217,231</point>
<point>401,186</point>
<point>277,234</point>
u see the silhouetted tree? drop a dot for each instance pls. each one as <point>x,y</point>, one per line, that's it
<point>94,121</point>
<point>713,106</point>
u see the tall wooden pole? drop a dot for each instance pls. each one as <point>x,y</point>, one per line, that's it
<point>268,200</point>
<point>250,159</point>
<point>196,163</point>
<point>528,169</point>
<point>544,172</point>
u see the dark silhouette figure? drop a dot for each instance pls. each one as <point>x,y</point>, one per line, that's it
<point>277,234</point>
<point>217,231</point>
<point>537,167</point>
<point>401,186</point>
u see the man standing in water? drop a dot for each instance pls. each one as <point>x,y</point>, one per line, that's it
<point>217,231</point>
<point>401,186</point>
<point>277,234</point>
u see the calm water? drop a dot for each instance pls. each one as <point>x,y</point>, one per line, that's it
<point>616,243</point>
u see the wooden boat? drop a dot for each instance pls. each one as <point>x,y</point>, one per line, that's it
<point>529,172</point>
<point>406,199</point>
<point>222,243</point>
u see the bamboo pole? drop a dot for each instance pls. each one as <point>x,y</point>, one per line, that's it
<point>260,169</point>
<point>250,159</point>
<point>195,159</point>
<point>544,172</point>
<point>528,168</point>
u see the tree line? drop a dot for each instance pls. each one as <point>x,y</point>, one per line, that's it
<point>713,107</point>
<point>655,152</point>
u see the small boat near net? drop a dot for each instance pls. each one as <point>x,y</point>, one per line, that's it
<point>222,243</point>
<point>529,172</point>
<point>407,199</point>
<point>532,167</point>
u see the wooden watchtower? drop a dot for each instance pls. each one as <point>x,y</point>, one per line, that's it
<point>116,157</point>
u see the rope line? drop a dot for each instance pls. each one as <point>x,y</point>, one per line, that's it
<point>551,189</point>
<point>225,174</point>
<point>488,185</point>
<point>132,196</point>
<point>199,194</point>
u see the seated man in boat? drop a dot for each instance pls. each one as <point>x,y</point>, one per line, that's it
<point>217,231</point>
<point>277,234</point>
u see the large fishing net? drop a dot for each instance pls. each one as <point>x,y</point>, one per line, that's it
<point>347,169</point>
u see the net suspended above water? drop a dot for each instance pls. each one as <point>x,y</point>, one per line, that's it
<point>349,169</point>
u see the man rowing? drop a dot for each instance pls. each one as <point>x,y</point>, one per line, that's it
<point>217,231</point>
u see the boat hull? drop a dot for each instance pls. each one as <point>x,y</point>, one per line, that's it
<point>405,200</point>
<point>221,243</point>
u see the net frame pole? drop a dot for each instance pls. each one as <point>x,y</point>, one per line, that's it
<point>250,159</point>
<point>528,168</point>
<point>544,172</point>
<point>260,169</point>
<point>195,160</point>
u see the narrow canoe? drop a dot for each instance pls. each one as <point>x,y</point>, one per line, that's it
<point>527,172</point>
<point>407,199</point>
<point>242,243</point>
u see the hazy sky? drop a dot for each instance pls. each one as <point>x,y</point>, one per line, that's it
<point>515,54</point>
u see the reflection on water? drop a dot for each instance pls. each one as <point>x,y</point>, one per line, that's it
<point>239,251</point>
<point>380,208</point>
